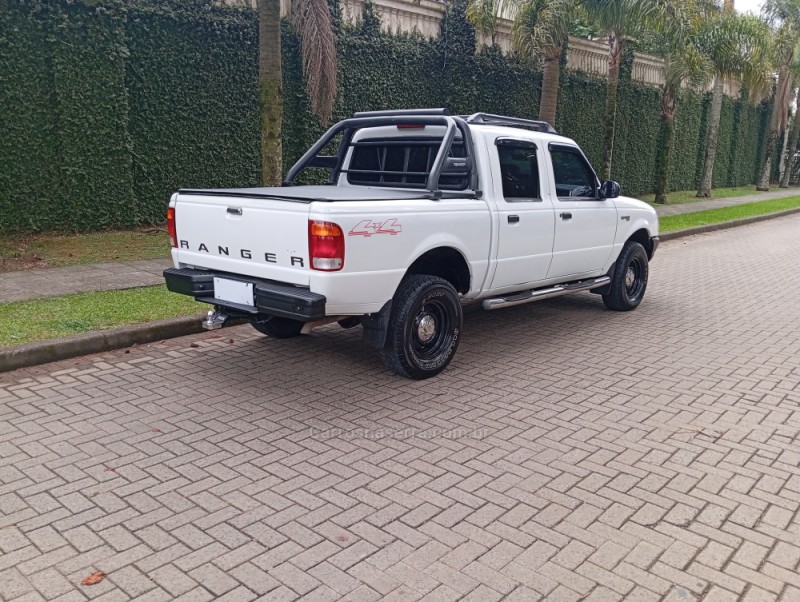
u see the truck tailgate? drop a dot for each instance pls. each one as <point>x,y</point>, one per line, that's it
<point>260,237</point>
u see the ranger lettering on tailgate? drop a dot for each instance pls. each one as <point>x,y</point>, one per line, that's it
<point>269,257</point>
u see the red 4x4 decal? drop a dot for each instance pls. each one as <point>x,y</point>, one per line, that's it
<point>370,227</point>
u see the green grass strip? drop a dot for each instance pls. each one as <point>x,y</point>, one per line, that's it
<point>56,250</point>
<point>725,214</point>
<point>58,317</point>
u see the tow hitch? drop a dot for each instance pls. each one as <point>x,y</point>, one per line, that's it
<point>215,319</point>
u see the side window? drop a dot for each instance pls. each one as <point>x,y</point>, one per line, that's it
<point>574,176</point>
<point>519,171</point>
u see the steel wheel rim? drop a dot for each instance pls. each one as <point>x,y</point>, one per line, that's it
<point>634,278</point>
<point>430,330</point>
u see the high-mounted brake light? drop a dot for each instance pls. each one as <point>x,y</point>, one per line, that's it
<point>325,246</point>
<point>173,232</point>
<point>410,126</point>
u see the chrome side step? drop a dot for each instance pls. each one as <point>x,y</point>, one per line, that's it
<point>544,293</point>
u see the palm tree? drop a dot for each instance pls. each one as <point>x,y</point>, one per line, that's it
<point>483,16</point>
<point>791,146</point>
<point>794,136</point>
<point>540,29</point>
<point>620,19</point>
<point>738,46</point>
<point>312,20</point>
<point>785,13</point>
<point>691,52</point>
<point>683,65</point>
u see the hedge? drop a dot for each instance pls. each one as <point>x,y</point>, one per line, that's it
<point>111,105</point>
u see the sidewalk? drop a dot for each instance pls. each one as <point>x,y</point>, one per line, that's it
<point>779,193</point>
<point>53,282</point>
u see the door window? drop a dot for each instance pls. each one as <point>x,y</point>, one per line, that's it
<point>574,176</point>
<point>519,171</point>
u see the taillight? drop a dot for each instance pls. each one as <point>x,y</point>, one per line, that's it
<point>173,233</point>
<point>325,246</point>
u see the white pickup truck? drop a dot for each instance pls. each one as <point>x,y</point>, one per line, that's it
<point>420,212</point>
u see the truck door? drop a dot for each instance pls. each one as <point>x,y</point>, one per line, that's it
<point>586,224</point>
<point>525,214</point>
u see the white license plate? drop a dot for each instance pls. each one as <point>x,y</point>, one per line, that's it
<point>233,291</point>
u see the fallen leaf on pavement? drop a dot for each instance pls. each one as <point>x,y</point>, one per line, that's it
<point>194,345</point>
<point>94,578</point>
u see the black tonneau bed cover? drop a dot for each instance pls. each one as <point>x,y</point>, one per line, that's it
<point>325,194</point>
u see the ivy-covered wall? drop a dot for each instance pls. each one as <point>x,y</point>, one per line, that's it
<point>111,105</point>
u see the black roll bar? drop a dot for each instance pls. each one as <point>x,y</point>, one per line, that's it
<point>348,126</point>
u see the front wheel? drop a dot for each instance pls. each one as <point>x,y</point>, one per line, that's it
<point>424,327</point>
<point>278,328</point>
<point>629,280</point>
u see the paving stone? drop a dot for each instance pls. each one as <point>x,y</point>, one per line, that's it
<point>13,584</point>
<point>642,456</point>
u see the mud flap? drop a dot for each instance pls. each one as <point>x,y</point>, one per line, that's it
<point>604,290</point>
<point>376,325</point>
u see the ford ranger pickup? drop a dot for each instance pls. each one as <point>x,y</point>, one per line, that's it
<point>414,213</point>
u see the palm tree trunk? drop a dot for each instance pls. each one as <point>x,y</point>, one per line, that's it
<point>778,109</point>
<point>712,138</point>
<point>614,60</point>
<point>791,148</point>
<point>270,91</point>
<point>668,130</point>
<point>550,80</point>
<point>712,134</point>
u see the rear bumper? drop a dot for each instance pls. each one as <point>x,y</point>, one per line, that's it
<point>271,298</point>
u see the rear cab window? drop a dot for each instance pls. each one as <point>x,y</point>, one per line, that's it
<point>519,170</point>
<point>400,158</point>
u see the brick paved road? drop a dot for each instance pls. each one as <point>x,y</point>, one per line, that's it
<point>569,453</point>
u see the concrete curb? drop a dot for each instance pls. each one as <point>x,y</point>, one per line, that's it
<point>725,225</point>
<point>43,352</point>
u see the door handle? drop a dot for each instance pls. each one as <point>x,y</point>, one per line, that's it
<point>513,219</point>
<point>565,216</point>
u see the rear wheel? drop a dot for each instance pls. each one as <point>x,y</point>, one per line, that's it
<point>278,328</point>
<point>424,327</point>
<point>629,280</point>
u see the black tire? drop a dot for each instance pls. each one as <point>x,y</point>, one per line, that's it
<point>278,328</point>
<point>424,327</point>
<point>629,280</point>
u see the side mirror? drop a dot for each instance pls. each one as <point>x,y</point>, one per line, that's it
<point>609,190</point>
